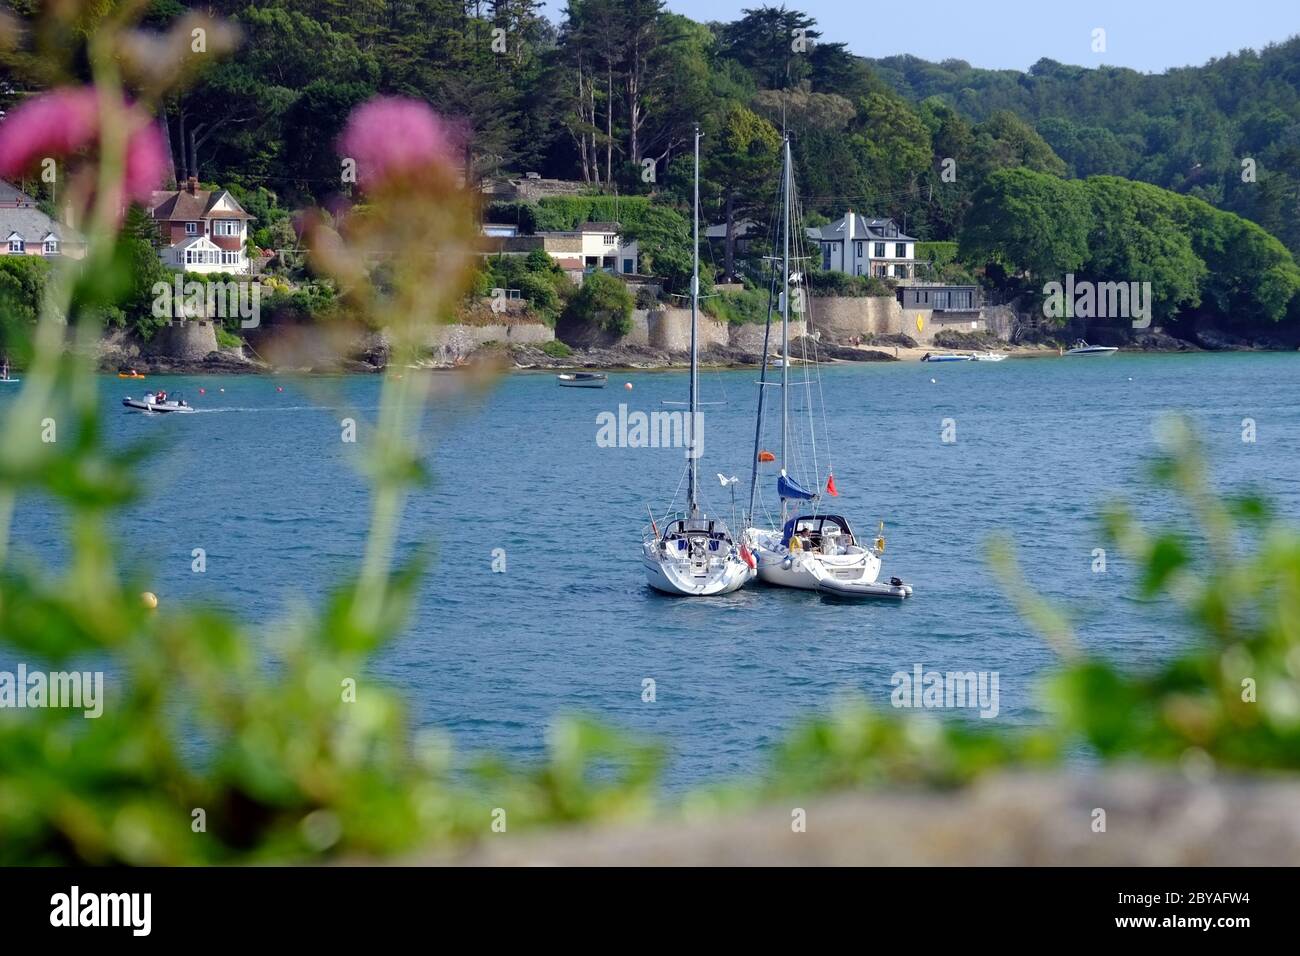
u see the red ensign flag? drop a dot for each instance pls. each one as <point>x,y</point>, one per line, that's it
<point>830,486</point>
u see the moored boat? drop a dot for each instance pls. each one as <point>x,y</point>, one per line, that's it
<point>946,357</point>
<point>695,555</point>
<point>583,379</point>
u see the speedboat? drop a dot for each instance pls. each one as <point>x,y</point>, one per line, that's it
<point>583,379</point>
<point>162,403</point>
<point>945,357</point>
<point>1083,348</point>
<point>695,555</point>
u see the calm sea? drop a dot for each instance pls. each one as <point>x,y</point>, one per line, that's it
<point>263,483</point>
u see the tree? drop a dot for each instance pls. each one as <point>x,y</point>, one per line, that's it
<point>1030,223</point>
<point>744,166</point>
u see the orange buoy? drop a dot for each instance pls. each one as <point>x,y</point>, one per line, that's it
<point>628,386</point>
<point>766,456</point>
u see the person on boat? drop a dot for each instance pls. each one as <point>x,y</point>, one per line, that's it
<point>796,543</point>
<point>162,397</point>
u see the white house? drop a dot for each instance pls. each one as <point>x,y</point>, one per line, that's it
<point>866,247</point>
<point>26,231</point>
<point>202,230</point>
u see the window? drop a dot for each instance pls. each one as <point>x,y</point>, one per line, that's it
<point>191,229</point>
<point>229,257</point>
<point>609,240</point>
<point>629,266</point>
<point>857,249</point>
<point>826,256</point>
<point>882,271</point>
<point>900,250</point>
<point>51,246</point>
<point>225,227</point>
<point>17,246</point>
<point>880,250</point>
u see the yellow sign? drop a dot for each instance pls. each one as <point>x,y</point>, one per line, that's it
<point>920,322</point>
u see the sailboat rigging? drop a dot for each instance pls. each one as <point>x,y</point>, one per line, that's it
<point>694,554</point>
<point>808,548</point>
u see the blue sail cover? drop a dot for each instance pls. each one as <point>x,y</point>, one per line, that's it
<point>790,490</point>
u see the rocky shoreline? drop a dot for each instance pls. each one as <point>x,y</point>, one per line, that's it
<point>117,355</point>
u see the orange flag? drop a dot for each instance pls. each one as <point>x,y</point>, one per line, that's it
<point>830,486</point>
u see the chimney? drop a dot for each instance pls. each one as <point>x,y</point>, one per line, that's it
<point>191,184</point>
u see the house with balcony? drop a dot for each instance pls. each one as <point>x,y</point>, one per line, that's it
<point>859,246</point>
<point>591,247</point>
<point>26,231</point>
<point>201,230</point>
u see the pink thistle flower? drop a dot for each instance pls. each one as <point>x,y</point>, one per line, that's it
<point>53,124</point>
<point>389,136</point>
<point>146,158</point>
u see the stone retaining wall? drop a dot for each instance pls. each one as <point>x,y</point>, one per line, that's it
<point>190,341</point>
<point>1152,818</point>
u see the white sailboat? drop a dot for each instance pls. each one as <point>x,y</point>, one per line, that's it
<point>694,554</point>
<point>807,548</point>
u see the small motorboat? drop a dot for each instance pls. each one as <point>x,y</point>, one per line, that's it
<point>583,379</point>
<point>990,356</point>
<point>945,357</point>
<point>1083,348</point>
<point>160,403</point>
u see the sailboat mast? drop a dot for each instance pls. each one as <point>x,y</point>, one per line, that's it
<point>695,303</point>
<point>785,313</point>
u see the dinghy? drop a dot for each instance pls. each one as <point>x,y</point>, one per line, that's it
<point>805,547</point>
<point>695,555</point>
<point>945,357</point>
<point>990,356</point>
<point>583,379</point>
<point>160,403</point>
<point>1083,348</point>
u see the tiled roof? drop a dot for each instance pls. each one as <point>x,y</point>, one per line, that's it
<point>599,227</point>
<point>11,194</point>
<point>863,228</point>
<point>33,225</point>
<point>186,206</point>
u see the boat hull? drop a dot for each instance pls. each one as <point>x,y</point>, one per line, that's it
<point>680,580</point>
<point>582,382</point>
<point>806,570</point>
<point>151,407</point>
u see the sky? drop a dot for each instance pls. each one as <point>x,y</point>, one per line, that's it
<point>1147,35</point>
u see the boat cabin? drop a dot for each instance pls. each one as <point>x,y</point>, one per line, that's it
<point>696,534</point>
<point>813,530</point>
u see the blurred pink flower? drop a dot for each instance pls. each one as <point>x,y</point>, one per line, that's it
<point>53,124</point>
<point>146,158</point>
<point>390,135</point>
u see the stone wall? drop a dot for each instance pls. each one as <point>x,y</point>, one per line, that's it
<point>845,316</point>
<point>452,342</point>
<point>670,329</point>
<point>1153,818</point>
<point>749,337</point>
<point>190,341</point>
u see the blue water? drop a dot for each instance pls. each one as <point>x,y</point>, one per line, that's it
<point>261,480</point>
